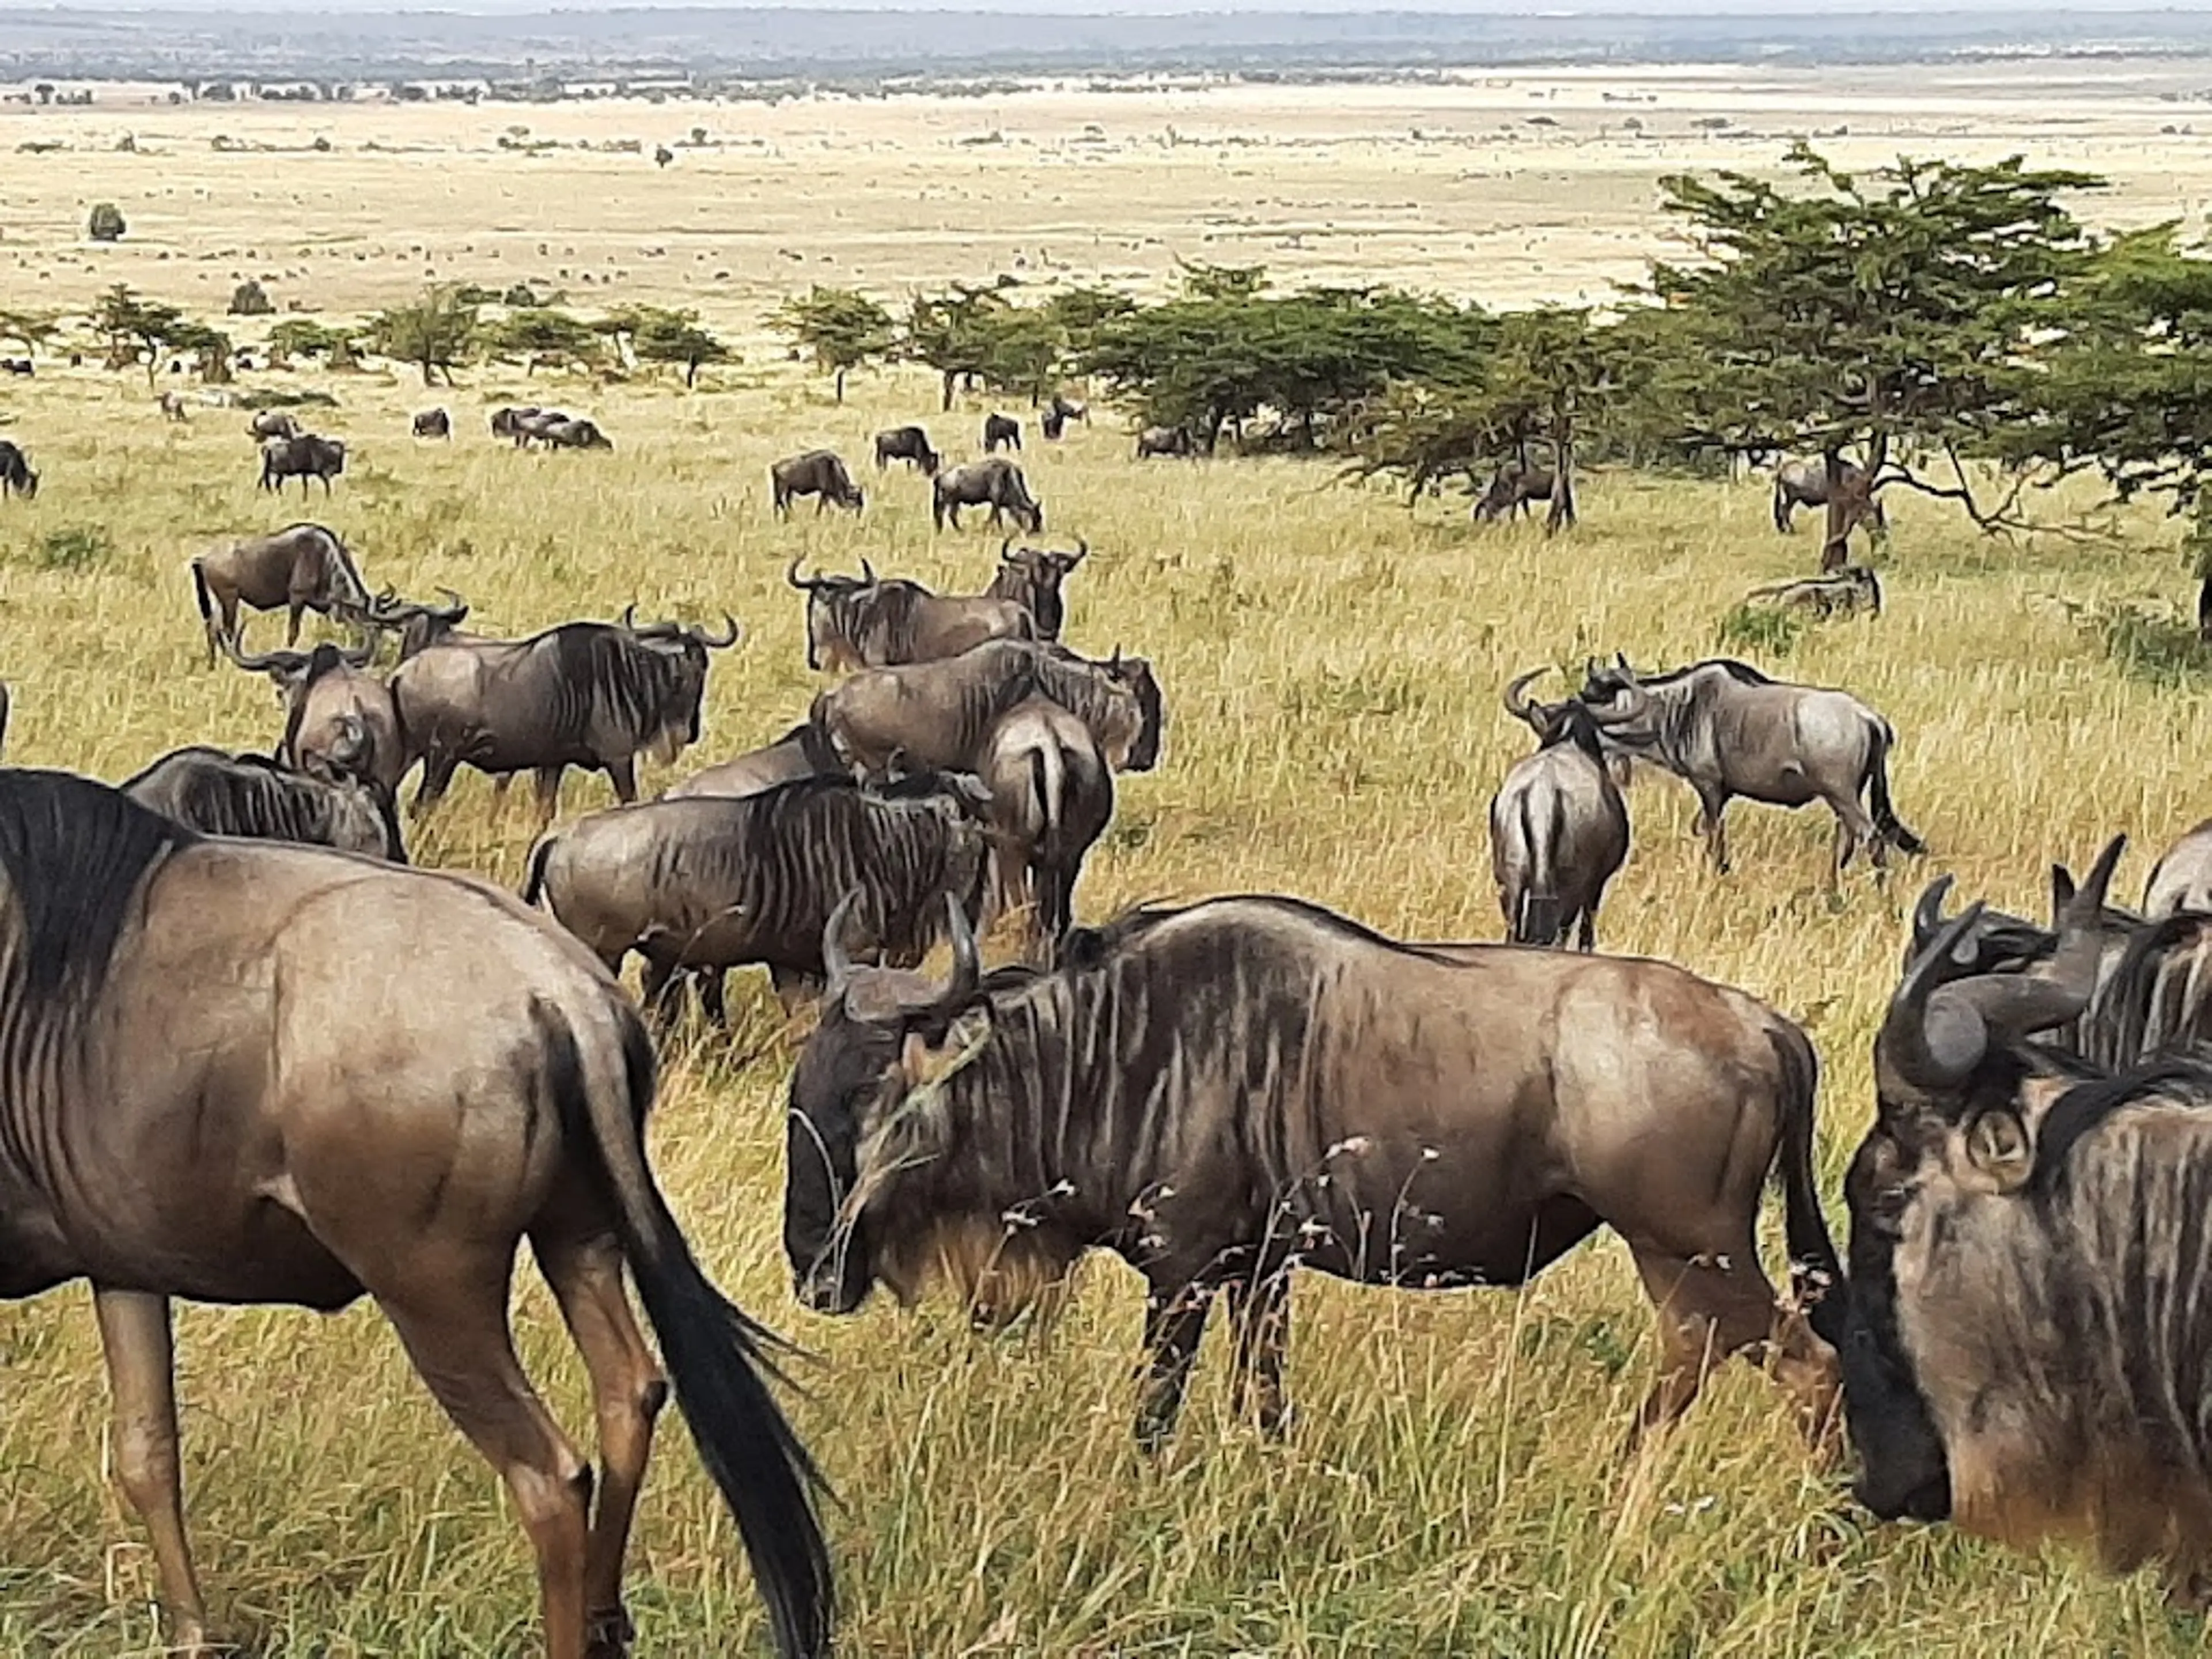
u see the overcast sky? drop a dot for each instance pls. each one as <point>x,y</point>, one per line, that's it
<point>1155,8</point>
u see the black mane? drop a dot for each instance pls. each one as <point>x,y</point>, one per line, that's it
<point>2186,1076</point>
<point>1085,947</point>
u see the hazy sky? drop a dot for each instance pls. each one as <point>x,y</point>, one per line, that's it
<point>1510,8</point>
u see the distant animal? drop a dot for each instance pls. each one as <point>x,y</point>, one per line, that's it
<point>1051,797</point>
<point>939,715</point>
<point>565,433</point>
<point>1510,493</point>
<point>1221,1093</point>
<point>819,473</point>
<point>791,757</point>
<point>707,884</point>
<point>867,622</point>
<point>2182,878</point>
<point>253,795</point>
<point>302,456</point>
<point>339,718</point>
<point>1000,429</point>
<point>1559,829</point>
<point>302,568</point>
<point>1059,412</point>
<point>1166,441</point>
<point>432,423</point>
<point>1726,730</point>
<point>17,477</point>
<point>1805,484</point>
<point>995,483</point>
<point>174,407</point>
<point>1838,593</point>
<point>221,1086</point>
<point>1031,577</point>
<point>909,444</point>
<point>20,365</point>
<point>509,422</point>
<point>271,423</point>
<point>588,694</point>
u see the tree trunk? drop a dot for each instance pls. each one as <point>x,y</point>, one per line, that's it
<point>2204,609</point>
<point>690,375</point>
<point>951,379</point>
<point>1845,508</point>
<point>840,385</point>
<point>1562,515</point>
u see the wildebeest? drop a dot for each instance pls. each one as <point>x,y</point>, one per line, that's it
<point>566,432</point>
<point>174,407</point>
<point>271,423</point>
<point>17,477</point>
<point>1059,412</point>
<point>1166,441</point>
<point>1510,492</point>
<point>303,456</point>
<point>1558,829</point>
<point>865,621</point>
<point>587,694</point>
<point>508,422</point>
<point>339,717</point>
<point>2030,1300</point>
<point>909,444</point>
<point>432,423</point>
<point>2182,878</point>
<point>1031,576</point>
<point>791,757</point>
<point>420,625</point>
<point>1805,484</point>
<point>1001,429</point>
<point>22,366</point>
<point>219,793</point>
<point>1726,730</point>
<point>819,473</point>
<point>302,566</point>
<point>1052,797</point>
<point>219,1088</point>
<point>707,883</point>
<point>939,715</point>
<point>1838,593</point>
<point>995,483</point>
<point>1221,1093</point>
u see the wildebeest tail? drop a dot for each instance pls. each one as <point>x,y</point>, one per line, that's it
<point>1048,782</point>
<point>1816,1277</point>
<point>716,1355</point>
<point>534,884</point>
<point>1538,920</point>
<point>1781,506</point>
<point>815,746</point>
<point>1877,782</point>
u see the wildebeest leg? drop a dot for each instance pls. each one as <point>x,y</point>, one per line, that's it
<point>1174,1322</point>
<point>1586,929</point>
<point>1260,1321</point>
<point>452,1316</point>
<point>294,612</point>
<point>628,1392</point>
<point>709,982</point>
<point>1720,1303</point>
<point>795,989</point>
<point>549,795</point>
<point>622,773</point>
<point>1855,830</point>
<point>1711,805</point>
<point>135,1336</point>
<point>437,768</point>
<point>665,1004</point>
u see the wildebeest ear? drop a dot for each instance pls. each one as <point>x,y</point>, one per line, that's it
<point>1997,1145</point>
<point>2062,891</point>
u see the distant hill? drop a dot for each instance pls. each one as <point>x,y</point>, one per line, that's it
<point>869,47</point>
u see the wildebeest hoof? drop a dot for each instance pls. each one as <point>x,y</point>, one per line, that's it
<point>2188,1591</point>
<point>609,1634</point>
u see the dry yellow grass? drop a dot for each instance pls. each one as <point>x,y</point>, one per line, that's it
<point>1332,664</point>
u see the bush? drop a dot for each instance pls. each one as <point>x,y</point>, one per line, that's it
<point>2154,644</point>
<point>73,546</point>
<point>1761,628</point>
<point>105,224</point>
<point>253,402</point>
<point>249,299</point>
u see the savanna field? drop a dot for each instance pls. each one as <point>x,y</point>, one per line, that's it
<point>1332,663</point>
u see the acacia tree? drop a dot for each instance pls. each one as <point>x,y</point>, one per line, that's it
<point>678,338</point>
<point>134,326</point>
<point>1887,314</point>
<point>540,332</point>
<point>841,329</point>
<point>434,334</point>
<point>955,333</point>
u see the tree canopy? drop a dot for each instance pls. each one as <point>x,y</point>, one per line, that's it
<point>434,334</point>
<point>841,329</point>
<point>677,339</point>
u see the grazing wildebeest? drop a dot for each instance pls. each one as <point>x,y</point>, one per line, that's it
<point>939,715</point>
<point>339,718</point>
<point>1805,484</point>
<point>1838,593</point>
<point>1510,492</point>
<point>1558,829</point>
<point>710,883</point>
<point>217,1087</point>
<point>302,456</point>
<point>1001,429</point>
<point>865,621</point>
<point>909,444</point>
<point>302,566</point>
<point>1068,408</point>
<point>22,366</point>
<point>560,432</point>
<point>1031,577</point>
<point>509,422</point>
<point>791,757</point>
<point>1052,797</point>
<point>420,625</point>
<point>17,477</point>
<point>1726,730</point>
<point>1166,441</point>
<point>2182,878</point>
<point>271,423</point>
<point>593,694</point>
<point>219,793</point>
<point>995,483</point>
<point>1224,1092</point>
<point>173,408</point>
<point>432,423</point>
<point>819,473</point>
<point>2029,1296</point>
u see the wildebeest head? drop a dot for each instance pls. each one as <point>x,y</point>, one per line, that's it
<point>1031,576</point>
<point>829,604</point>
<point>1135,674</point>
<point>1571,720</point>
<point>293,671</point>
<point>861,1090</point>
<point>417,624</point>
<point>678,715</point>
<point>1961,1101</point>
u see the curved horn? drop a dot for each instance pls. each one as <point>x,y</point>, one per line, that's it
<point>359,656</point>
<point>708,640</point>
<point>457,608</point>
<point>1082,552</point>
<point>967,964</point>
<point>1517,700</point>
<point>836,964</point>
<point>867,571</point>
<point>1635,702</point>
<point>629,618</point>
<point>266,662</point>
<point>1930,1048</point>
<point>1927,914</point>
<point>806,585</point>
<point>2072,967</point>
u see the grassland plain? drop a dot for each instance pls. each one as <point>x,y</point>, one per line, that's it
<point>1333,663</point>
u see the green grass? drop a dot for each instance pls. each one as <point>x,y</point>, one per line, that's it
<point>1333,666</point>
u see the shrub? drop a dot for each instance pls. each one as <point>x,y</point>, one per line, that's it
<point>73,546</point>
<point>1761,628</point>
<point>271,398</point>
<point>249,299</point>
<point>105,224</point>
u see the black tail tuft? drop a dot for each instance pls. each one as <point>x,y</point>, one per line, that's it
<point>1885,813</point>
<point>1816,1276</point>
<point>1540,922</point>
<point>535,884</point>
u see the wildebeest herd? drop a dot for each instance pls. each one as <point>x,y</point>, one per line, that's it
<point>203,1101</point>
